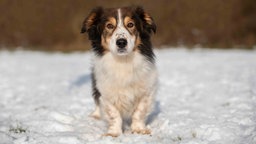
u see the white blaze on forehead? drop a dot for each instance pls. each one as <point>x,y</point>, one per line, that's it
<point>121,31</point>
<point>120,22</point>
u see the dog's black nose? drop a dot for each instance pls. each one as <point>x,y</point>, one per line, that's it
<point>121,43</point>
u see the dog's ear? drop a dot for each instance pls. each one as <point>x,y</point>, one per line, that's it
<point>147,21</point>
<point>92,20</point>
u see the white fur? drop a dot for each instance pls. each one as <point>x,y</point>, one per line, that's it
<point>121,32</point>
<point>127,85</point>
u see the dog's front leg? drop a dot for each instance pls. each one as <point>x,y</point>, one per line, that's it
<point>114,120</point>
<point>139,116</point>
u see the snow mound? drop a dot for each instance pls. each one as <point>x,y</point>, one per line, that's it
<point>205,97</point>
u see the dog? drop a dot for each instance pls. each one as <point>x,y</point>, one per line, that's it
<point>124,75</point>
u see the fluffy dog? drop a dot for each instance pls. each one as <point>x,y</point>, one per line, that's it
<point>124,75</point>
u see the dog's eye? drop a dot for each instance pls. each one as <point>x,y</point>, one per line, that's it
<point>130,25</point>
<point>110,26</point>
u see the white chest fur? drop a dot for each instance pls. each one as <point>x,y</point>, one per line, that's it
<point>123,81</point>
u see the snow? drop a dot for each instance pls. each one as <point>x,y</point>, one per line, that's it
<point>205,97</point>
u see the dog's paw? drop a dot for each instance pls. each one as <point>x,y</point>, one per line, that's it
<point>144,131</point>
<point>111,134</point>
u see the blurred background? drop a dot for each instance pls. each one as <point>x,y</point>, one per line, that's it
<point>54,25</point>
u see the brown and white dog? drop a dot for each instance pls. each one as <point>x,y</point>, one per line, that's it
<point>124,76</point>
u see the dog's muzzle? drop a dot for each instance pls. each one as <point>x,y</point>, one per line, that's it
<point>121,44</point>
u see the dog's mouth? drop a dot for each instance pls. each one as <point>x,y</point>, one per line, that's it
<point>122,51</point>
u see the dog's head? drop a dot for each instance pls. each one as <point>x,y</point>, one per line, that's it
<point>120,31</point>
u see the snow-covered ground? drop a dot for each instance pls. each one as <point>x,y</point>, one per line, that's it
<point>205,97</point>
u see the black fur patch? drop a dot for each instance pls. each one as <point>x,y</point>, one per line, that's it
<point>146,50</point>
<point>95,92</point>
